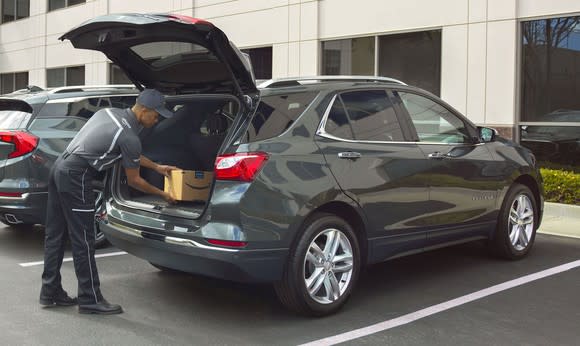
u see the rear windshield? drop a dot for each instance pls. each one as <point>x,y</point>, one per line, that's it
<point>276,113</point>
<point>12,120</point>
<point>162,54</point>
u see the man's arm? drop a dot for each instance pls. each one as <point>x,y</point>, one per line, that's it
<point>134,180</point>
<point>161,169</point>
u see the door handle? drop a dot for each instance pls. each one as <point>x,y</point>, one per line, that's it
<point>350,155</point>
<point>437,155</point>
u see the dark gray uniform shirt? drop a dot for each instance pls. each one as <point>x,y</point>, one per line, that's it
<point>109,135</point>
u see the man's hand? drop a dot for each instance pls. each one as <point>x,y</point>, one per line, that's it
<point>165,170</point>
<point>167,197</point>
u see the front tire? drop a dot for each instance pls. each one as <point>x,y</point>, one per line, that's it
<point>517,224</point>
<point>323,267</point>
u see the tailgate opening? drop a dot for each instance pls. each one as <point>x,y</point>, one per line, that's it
<point>190,140</point>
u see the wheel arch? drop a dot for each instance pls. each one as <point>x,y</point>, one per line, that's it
<point>351,215</point>
<point>531,183</point>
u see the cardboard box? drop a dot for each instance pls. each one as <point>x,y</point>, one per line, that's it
<point>189,185</point>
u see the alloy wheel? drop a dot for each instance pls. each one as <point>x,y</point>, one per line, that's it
<point>328,266</point>
<point>521,222</point>
<point>98,208</point>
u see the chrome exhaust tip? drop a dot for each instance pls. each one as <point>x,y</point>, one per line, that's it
<point>12,219</point>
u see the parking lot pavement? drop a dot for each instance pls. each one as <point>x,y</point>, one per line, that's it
<point>183,309</point>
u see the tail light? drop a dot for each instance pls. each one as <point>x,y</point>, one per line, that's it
<point>239,166</point>
<point>24,142</point>
<point>10,194</point>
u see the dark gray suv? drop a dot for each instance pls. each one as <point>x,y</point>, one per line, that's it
<point>35,127</point>
<point>313,178</point>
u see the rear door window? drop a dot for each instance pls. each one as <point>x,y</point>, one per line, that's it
<point>84,107</point>
<point>56,133</point>
<point>364,115</point>
<point>276,113</point>
<point>67,124</point>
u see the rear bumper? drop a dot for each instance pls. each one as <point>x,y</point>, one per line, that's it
<point>29,209</point>
<point>187,255</point>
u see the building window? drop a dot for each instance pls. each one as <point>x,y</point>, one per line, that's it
<point>56,4</point>
<point>65,76</point>
<point>117,76</point>
<point>261,59</point>
<point>10,82</point>
<point>15,9</point>
<point>414,58</point>
<point>550,85</point>
<point>349,57</point>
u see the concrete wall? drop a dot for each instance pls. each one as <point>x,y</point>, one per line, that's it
<point>480,38</point>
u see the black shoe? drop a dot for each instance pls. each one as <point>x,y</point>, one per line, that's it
<point>101,308</point>
<point>60,299</point>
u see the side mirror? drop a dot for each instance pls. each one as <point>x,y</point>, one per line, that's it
<point>487,134</point>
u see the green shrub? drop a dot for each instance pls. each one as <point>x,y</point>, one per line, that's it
<point>561,186</point>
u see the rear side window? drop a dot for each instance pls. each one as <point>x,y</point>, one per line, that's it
<point>337,123</point>
<point>85,107</point>
<point>276,113</point>
<point>366,115</point>
<point>60,124</point>
<point>12,120</point>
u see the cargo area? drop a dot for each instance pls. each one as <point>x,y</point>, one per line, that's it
<point>190,140</point>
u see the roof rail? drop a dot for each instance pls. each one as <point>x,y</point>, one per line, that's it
<point>77,88</point>
<point>294,81</point>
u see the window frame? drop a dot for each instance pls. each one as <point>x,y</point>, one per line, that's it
<point>65,75</point>
<point>377,47</point>
<point>14,88</point>
<point>15,13</point>
<point>66,5</point>
<point>469,126</point>
<point>403,123</point>
<point>253,49</point>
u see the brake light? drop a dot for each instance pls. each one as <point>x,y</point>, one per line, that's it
<point>24,142</point>
<point>189,20</point>
<point>228,243</point>
<point>10,194</point>
<point>239,166</point>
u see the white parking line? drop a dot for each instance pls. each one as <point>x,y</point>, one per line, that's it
<point>414,316</point>
<point>69,259</point>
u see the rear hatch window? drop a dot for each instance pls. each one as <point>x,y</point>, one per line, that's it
<point>13,120</point>
<point>276,113</point>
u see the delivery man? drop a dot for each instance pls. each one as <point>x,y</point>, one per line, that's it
<point>111,134</point>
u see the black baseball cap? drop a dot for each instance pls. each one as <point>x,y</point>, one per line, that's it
<point>153,99</point>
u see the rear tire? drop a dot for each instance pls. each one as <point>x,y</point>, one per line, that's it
<point>322,268</point>
<point>517,224</point>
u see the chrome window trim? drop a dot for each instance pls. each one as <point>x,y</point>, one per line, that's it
<point>322,133</point>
